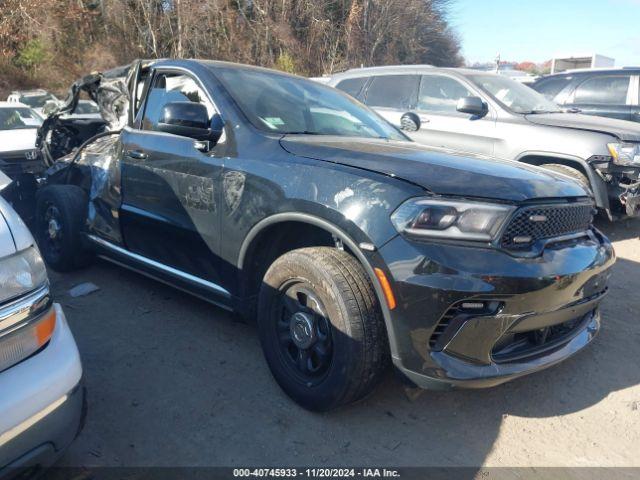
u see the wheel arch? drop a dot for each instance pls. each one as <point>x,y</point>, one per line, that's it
<point>368,261</point>
<point>597,184</point>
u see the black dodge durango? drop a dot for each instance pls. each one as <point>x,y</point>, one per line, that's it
<point>288,201</point>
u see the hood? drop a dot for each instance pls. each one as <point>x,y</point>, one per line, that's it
<point>443,173</point>
<point>624,130</point>
<point>7,247</point>
<point>14,234</point>
<point>17,140</point>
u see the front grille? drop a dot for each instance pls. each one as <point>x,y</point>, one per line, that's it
<point>13,170</point>
<point>534,223</point>
<point>13,164</point>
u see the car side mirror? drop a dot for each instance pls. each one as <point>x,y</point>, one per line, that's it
<point>410,122</point>
<point>473,106</point>
<point>187,119</point>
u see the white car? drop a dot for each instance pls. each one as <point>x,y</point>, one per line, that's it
<point>36,99</point>
<point>18,130</point>
<point>41,393</point>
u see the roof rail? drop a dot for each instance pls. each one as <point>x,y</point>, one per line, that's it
<point>389,67</point>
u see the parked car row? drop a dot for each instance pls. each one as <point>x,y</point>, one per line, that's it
<point>294,203</point>
<point>482,113</point>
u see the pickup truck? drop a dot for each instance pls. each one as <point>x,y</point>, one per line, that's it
<point>353,247</point>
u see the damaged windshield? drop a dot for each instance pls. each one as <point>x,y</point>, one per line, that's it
<point>289,105</point>
<point>18,118</point>
<point>515,96</point>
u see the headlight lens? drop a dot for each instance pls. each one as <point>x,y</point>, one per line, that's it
<point>21,273</point>
<point>625,153</point>
<point>449,219</point>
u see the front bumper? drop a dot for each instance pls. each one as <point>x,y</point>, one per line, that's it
<point>42,404</point>
<point>478,317</point>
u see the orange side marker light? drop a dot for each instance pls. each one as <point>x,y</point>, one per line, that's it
<point>386,288</point>
<point>44,328</point>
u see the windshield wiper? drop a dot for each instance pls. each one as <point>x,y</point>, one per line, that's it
<point>537,112</point>
<point>302,132</point>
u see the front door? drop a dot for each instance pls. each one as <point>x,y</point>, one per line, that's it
<point>443,126</point>
<point>170,185</point>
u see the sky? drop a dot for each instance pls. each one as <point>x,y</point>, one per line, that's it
<point>538,30</point>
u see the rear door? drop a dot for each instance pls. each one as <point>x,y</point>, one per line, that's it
<point>607,95</point>
<point>170,188</point>
<point>443,126</point>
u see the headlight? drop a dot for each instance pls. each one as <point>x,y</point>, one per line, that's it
<point>21,273</point>
<point>448,219</point>
<point>625,153</point>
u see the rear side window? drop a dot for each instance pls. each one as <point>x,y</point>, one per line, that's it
<point>352,86</point>
<point>552,86</point>
<point>441,94</point>
<point>605,90</point>
<point>393,91</point>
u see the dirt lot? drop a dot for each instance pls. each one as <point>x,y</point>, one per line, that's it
<point>174,381</point>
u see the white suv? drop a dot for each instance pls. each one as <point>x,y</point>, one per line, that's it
<point>41,394</point>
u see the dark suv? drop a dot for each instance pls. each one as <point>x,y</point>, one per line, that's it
<point>281,198</point>
<point>611,93</point>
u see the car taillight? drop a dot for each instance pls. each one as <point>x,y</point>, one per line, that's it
<point>26,340</point>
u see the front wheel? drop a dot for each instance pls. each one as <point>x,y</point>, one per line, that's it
<point>60,214</point>
<point>321,328</point>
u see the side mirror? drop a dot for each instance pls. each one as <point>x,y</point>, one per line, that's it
<point>187,119</point>
<point>473,106</point>
<point>410,122</point>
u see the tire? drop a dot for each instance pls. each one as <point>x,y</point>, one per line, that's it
<point>336,302</point>
<point>61,243</point>
<point>576,174</point>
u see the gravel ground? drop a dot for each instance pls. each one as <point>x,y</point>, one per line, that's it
<point>174,381</point>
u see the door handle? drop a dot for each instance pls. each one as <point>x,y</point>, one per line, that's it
<point>137,154</point>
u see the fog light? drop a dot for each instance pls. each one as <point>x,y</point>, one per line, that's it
<point>521,239</point>
<point>473,305</point>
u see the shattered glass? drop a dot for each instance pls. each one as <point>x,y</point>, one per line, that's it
<point>101,158</point>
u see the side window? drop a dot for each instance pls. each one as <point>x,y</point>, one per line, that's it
<point>611,90</point>
<point>352,86</point>
<point>552,86</point>
<point>167,88</point>
<point>393,91</point>
<point>440,94</point>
